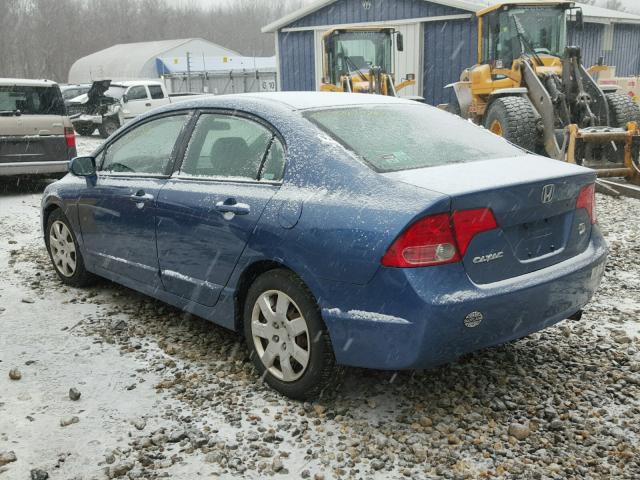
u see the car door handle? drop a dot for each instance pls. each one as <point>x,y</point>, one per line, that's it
<point>141,197</point>
<point>231,206</point>
<point>147,104</point>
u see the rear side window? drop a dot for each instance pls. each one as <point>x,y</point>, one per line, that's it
<point>156,92</point>
<point>31,100</point>
<point>145,149</point>
<point>137,93</point>
<point>227,146</point>
<point>391,138</point>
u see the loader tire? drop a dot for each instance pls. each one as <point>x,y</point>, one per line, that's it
<point>513,118</point>
<point>454,106</point>
<point>622,110</point>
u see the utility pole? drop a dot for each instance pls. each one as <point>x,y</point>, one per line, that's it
<point>188,72</point>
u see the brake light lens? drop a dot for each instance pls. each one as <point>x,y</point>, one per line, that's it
<point>587,200</point>
<point>438,239</point>
<point>70,137</point>
<point>469,223</point>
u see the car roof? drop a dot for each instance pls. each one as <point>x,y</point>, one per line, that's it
<point>307,100</point>
<point>26,82</point>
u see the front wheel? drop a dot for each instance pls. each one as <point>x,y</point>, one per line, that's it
<point>64,251</point>
<point>287,339</point>
<point>108,126</point>
<point>513,118</point>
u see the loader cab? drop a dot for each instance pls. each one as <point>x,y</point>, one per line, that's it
<point>355,52</point>
<point>510,32</point>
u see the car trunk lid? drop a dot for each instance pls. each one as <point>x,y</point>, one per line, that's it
<point>533,200</point>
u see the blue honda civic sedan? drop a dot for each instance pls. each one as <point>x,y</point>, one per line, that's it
<point>331,229</point>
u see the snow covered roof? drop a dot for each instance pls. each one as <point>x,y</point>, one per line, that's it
<point>132,60</point>
<point>591,13</point>
<point>305,100</point>
<point>26,82</point>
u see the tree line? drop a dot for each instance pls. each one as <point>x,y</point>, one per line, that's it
<point>42,38</point>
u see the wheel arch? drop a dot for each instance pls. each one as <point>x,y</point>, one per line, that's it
<point>246,279</point>
<point>47,211</point>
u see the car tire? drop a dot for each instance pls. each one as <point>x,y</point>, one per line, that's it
<point>85,130</point>
<point>64,252</point>
<point>513,118</point>
<point>107,127</point>
<point>294,358</point>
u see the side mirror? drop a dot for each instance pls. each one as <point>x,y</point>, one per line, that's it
<point>125,99</point>
<point>579,19</point>
<point>83,166</point>
<point>400,42</point>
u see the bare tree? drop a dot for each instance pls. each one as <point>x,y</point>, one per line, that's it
<point>42,38</point>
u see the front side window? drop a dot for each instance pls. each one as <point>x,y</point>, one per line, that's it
<point>30,100</point>
<point>228,146</point>
<point>156,92</point>
<point>404,137</point>
<point>527,31</point>
<point>146,149</point>
<point>137,93</point>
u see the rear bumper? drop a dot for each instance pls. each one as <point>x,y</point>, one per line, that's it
<point>414,318</point>
<point>33,168</point>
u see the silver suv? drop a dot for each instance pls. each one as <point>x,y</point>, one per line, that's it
<point>36,135</point>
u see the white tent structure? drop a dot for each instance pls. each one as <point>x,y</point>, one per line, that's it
<point>129,61</point>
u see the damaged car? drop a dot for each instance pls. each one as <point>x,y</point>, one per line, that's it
<point>107,106</point>
<point>98,108</point>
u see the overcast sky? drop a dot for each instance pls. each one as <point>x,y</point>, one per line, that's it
<point>630,5</point>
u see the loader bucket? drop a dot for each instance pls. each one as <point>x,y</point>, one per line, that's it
<point>612,152</point>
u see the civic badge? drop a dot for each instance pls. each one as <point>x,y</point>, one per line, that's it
<point>548,191</point>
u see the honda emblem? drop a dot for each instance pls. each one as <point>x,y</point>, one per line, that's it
<point>548,192</point>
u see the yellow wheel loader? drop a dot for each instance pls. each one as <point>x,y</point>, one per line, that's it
<point>360,60</point>
<point>530,87</point>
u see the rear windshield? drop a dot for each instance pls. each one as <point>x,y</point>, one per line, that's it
<point>31,100</point>
<point>391,138</point>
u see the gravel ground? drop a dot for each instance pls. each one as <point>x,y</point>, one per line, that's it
<point>164,394</point>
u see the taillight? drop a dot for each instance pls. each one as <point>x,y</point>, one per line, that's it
<point>587,200</point>
<point>438,239</point>
<point>469,223</point>
<point>70,137</point>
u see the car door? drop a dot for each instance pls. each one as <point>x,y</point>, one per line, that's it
<point>208,210</point>
<point>117,209</point>
<point>138,102</point>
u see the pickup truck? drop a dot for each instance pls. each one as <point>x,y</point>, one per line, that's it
<point>108,105</point>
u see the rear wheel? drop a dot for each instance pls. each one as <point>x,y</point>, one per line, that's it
<point>84,130</point>
<point>622,110</point>
<point>287,339</point>
<point>513,118</point>
<point>108,126</point>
